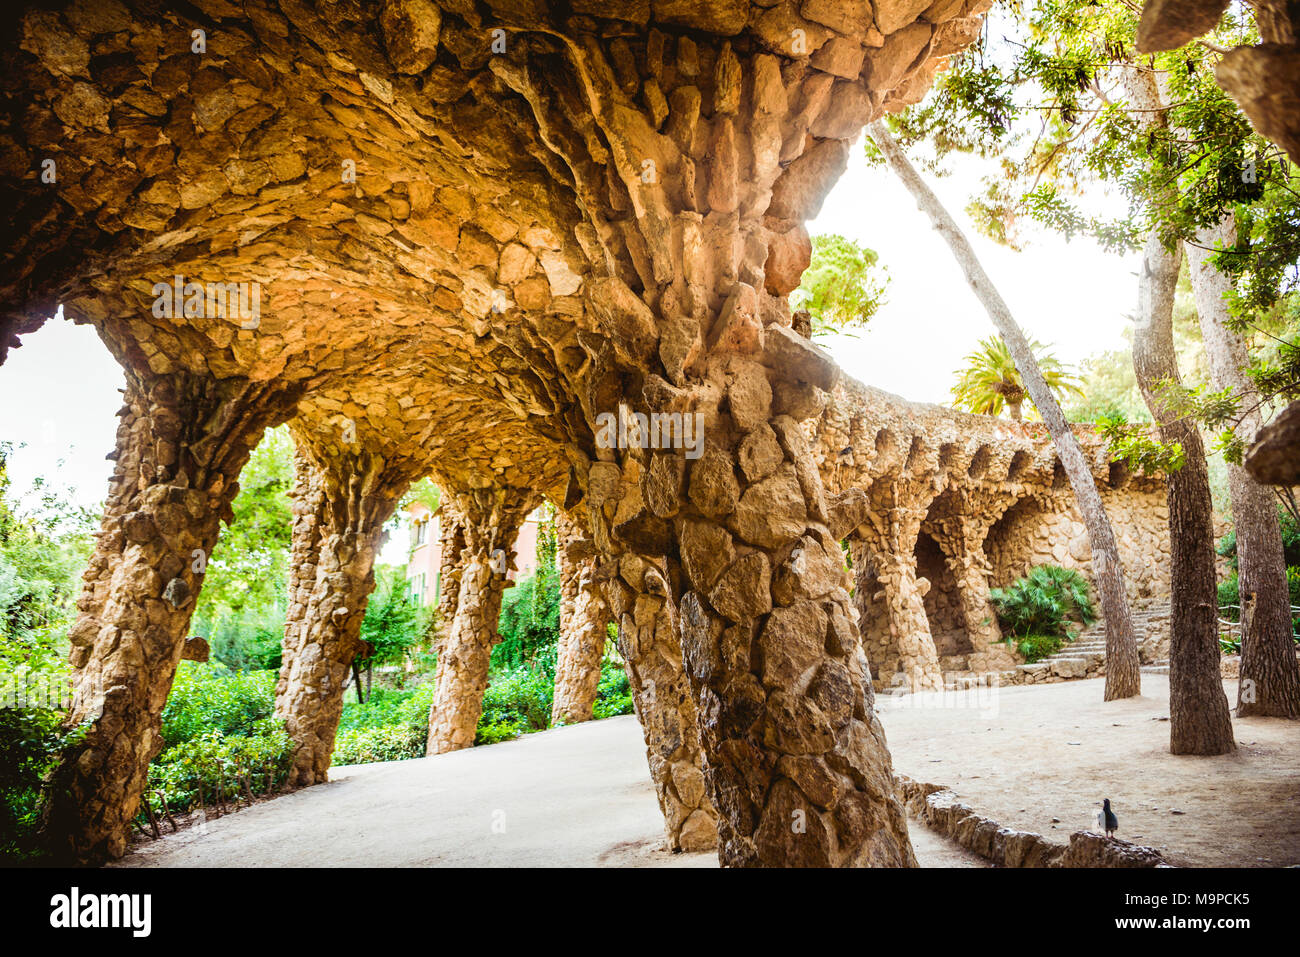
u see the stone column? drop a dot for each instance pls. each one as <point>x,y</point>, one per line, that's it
<point>651,649</point>
<point>696,160</point>
<point>343,495</point>
<point>583,617</point>
<point>971,569</point>
<point>492,518</point>
<point>908,623</point>
<point>890,537</point>
<point>795,757</point>
<point>181,444</point>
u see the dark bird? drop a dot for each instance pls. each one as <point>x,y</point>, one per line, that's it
<point>1111,821</point>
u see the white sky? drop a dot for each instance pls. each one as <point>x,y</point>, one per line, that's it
<point>1071,296</point>
<point>58,391</point>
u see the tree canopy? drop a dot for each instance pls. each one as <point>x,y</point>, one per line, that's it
<point>843,287</point>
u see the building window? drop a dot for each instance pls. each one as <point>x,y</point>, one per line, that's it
<point>421,531</point>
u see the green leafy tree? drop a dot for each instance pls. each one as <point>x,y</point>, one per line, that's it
<point>530,622</point>
<point>241,607</point>
<point>843,286</point>
<point>990,382</point>
<point>45,542</point>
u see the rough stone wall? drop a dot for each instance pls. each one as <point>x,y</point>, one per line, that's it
<point>1037,532</point>
<point>181,443</point>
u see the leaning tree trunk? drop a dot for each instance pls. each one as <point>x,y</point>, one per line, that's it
<point>1123,678</point>
<point>1270,675</point>
<point>1199,722</point>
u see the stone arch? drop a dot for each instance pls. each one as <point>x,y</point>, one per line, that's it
<point>980,462</point>
<point>1019,467</point>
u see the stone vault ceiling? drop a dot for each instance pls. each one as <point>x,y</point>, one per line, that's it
<point>443,205</point>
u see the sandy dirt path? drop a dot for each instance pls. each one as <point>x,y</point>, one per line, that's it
<point>570,797</point>
<point>1038,758</point>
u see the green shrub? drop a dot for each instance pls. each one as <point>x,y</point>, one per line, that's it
<point>1230,594</point>
<point>614,693</point>
<point>1227,546</point>
<point>519,699</point>
<point>31,740</point>
<point>211,697</point>
<point>1042,603</point>
<point>392,725</point>
<point>1036,647</point>
<point>390,742</point>
<point>530,621</point>
<point>213,765</point>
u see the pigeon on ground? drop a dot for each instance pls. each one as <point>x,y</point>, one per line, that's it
<point>1111,821</point>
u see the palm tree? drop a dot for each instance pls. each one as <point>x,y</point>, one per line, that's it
<point>990,379</point>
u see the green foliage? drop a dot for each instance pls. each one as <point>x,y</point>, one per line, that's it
<point>1136,445</point>
<point>45,541</point>
<point>248,567</point>
<point>31,740</point>
<point>1230,597</point>
<point>393,724</point>
<point>395,623</point>
<point>530,619</point>
<point>424,492</point>
<point>387,742</point>
<point>614,693</point>
<point>990,380</point>
<point>212,698</point>
<point>516,702</point>
<point>1038,607</point>
<point>1290,527</point>
<point>1037,647</point>
<point>215,767</point>
<point>843,286</point>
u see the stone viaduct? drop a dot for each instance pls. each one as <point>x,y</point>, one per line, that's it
<point>457,238</point>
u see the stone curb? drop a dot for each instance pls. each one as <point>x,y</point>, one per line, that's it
<point>940,810</point>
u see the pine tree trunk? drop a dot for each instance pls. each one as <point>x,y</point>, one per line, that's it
<point>1270,676</point>
<point>1123,679</point>
<point>1199,722</point>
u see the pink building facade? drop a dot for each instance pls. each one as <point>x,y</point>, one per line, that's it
<point>424,560</point>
